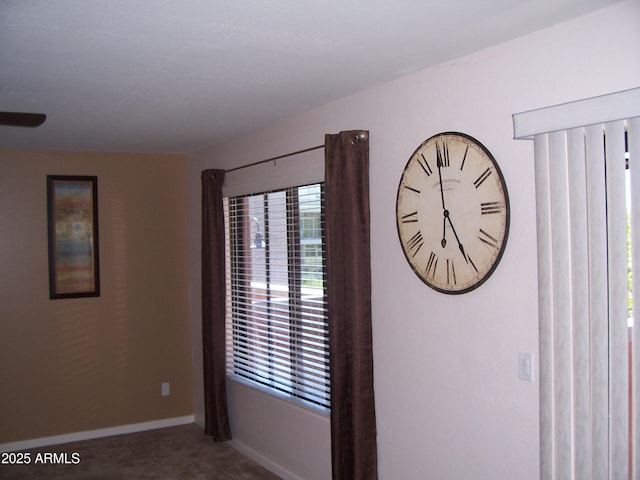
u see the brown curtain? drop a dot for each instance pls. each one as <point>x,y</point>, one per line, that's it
<point>353,418</point>
<point>213,307</point>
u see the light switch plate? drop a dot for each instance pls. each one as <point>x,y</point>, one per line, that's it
<point>165,389</point>
<point>525,366</point>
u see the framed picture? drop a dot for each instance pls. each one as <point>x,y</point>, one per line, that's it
<point>72,212</point>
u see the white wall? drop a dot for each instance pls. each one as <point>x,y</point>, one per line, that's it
<point>448,398</point>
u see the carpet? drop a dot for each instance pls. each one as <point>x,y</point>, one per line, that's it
<point>180,453</point>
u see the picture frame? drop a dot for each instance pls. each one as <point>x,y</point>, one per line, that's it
<point>72,215</point>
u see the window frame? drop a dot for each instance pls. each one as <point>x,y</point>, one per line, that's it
<point>239,241</point>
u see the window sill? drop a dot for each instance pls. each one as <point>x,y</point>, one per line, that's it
<point>296,402</point>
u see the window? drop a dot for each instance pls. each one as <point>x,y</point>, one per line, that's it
<point>276,304</point>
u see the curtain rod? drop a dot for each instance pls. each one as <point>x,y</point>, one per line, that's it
<point>274,158</point>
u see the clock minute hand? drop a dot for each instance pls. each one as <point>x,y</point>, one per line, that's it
<point>456,235</point>
<point>439,164</point>
<point>445,212</point>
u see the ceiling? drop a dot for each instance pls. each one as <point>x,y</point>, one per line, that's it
<point>177,76</point>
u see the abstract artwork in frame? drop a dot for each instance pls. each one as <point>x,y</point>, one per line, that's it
<point>72,212</point>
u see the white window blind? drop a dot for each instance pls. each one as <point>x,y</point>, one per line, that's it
<point>277,330</point>
<point>589,353</point>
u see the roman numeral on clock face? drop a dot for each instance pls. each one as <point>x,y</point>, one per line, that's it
<point>432,263</point>
<point>451,273</point>
<point>464,157</point>
<point>487,208</point>
<point>410,217</point>
<point>414,190</point>
<point>442,154</point>
<point>480,180</point>
<point>425,166</point>
<point>414,244</point>
<point>487,239</point>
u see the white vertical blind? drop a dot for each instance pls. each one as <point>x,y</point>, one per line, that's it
<point>598,302</point>
<point>545,293</point>
<point>581,201</point>
<point>618,313</point>
<point>561,294</point>
<point>578,224</point>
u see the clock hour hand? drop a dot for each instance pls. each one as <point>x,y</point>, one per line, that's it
<point>443,242</point>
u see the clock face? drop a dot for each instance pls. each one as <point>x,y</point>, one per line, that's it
<point>452,213</point>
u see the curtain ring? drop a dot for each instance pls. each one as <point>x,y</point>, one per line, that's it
<point>358,138</point>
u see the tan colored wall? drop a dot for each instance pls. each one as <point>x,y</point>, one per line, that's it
<point>81,364</point>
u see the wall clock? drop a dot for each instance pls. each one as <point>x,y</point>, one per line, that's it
<point>452,213</point>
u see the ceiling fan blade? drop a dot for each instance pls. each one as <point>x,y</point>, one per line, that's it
<point>19,119</point>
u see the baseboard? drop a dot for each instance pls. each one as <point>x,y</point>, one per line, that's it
<point>90,434</point>
<point>264,461</point>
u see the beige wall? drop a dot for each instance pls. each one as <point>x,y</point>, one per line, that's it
<point>81,364</point>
